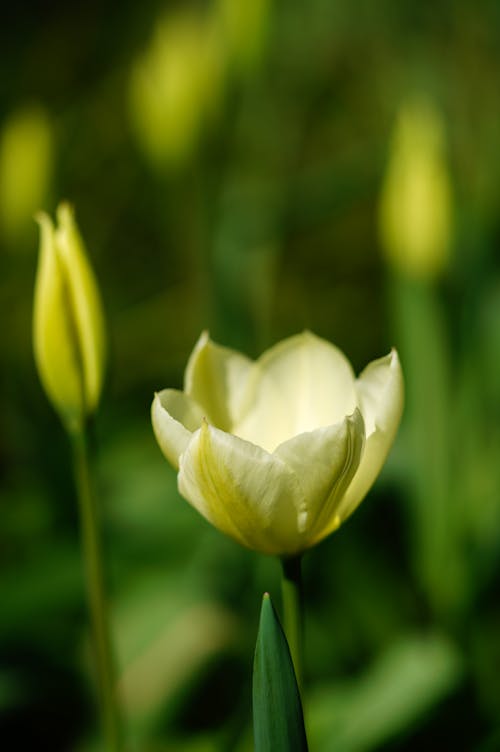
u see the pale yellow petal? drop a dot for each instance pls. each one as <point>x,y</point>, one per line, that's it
<point>175,417</point>
<point>85,302</point>
<point>325,461</point>
<point>245,492</point>
<point>55,346</point>
<point>381,393</point>
<point>216,377</point>
<point>300,384</point>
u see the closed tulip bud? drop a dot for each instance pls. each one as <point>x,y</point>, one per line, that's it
<point>415,208</point>
<point>26,152</point>
<point>244,29</point>
<point>278,452</point>
<point>68,322</point>
<point>175,88</point>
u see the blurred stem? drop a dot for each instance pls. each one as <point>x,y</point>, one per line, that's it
<point>92,555</point>
<point>291,587</point>
<point>431,414</point>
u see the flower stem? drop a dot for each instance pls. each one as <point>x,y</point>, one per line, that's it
<point>291,587</point>
<point>101,641</point>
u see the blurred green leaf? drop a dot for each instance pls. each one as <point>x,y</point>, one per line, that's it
<point>404,683</point>
<point>278,720</point>
<point>165,633</point>
<point>426,358</point>
<point>32,594</point>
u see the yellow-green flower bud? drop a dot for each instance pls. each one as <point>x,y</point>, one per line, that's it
<point>175,88</point>
<point>68,322</point>
<point>415,208</point>
<point>26,146</point>
<point>244,28</point>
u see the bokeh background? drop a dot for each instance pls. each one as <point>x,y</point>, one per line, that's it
<point>257,169</point>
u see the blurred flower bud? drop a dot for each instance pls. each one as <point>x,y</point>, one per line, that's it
<point>25,168</point>
<point>244,27</point>
<point>415,208</point>
<point>68,323</point>
<point>174,87</point>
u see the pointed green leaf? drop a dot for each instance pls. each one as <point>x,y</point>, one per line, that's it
<point>278,720</point>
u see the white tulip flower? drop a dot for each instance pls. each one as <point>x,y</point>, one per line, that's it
<point>278,452</point>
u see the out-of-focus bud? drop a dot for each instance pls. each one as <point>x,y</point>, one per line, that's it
<point>244,27</point>
<point>68,322</point>
<point>175,88</point>
<point>26,149</point>
<point>415,208</point>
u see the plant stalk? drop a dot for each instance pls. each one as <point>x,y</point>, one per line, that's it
<point>292,593</point>
<point>92,555</point>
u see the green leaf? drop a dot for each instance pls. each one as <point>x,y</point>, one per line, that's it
<point>404,683</point>
<point>278,720</point>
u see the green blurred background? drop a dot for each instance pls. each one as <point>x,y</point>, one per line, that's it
<point>257,169</point>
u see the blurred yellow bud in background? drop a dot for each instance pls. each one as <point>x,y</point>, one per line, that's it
<point>244,28</point>
<point>175,88</point>
<point>68,321</point>
<point>415,207</point>
<point>26,153</point>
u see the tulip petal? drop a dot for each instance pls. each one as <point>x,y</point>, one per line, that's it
<point>325,461</point>
<point>300,384</point>
<point>175,417</point>
<point>380,391</point>
<point>85,302</point>
<point>247,493</point>
<point>54,342</point>
<point>216,377</point>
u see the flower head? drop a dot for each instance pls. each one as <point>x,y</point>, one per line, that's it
<point>278,452</point>
<point>68,325</point>
<point>26,164</point>
<point>175,87</point>
<point>416,202</point>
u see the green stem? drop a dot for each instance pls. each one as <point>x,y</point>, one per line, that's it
<point>291,586</point>
<point>92,555</point>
